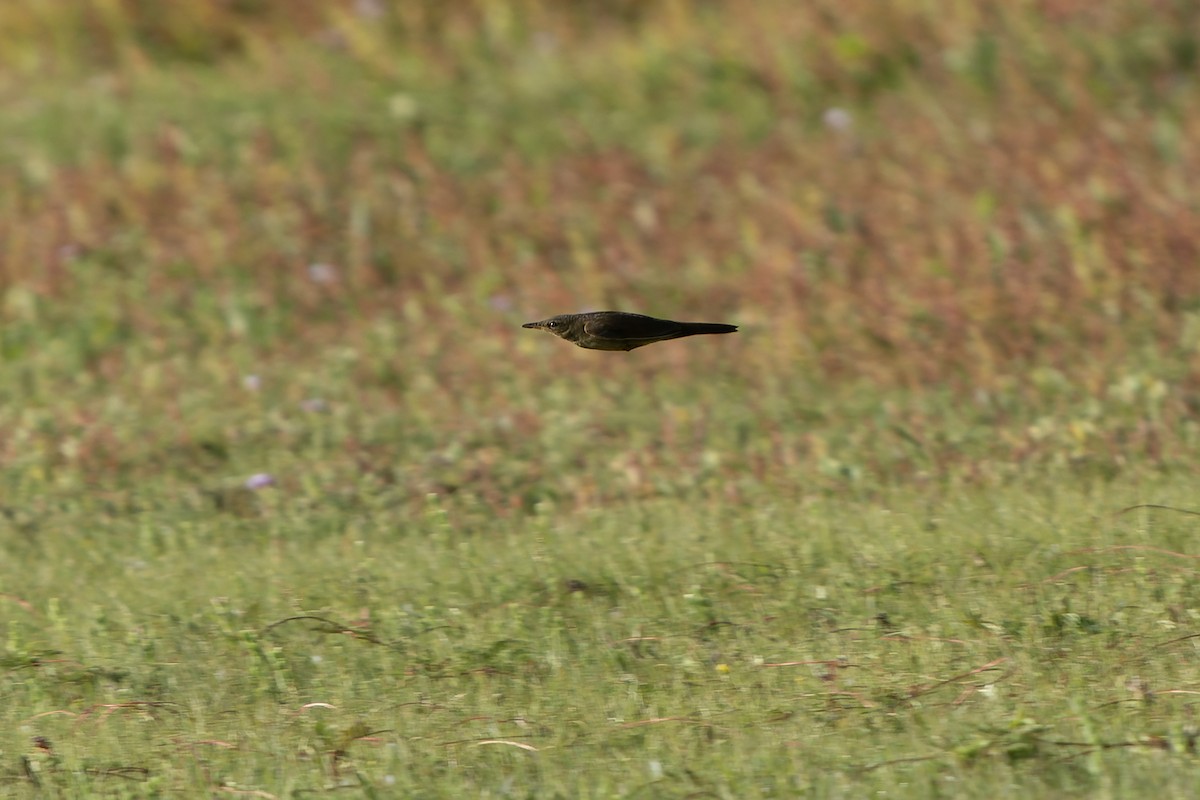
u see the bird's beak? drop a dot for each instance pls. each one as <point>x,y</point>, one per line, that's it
<point>533,325</point>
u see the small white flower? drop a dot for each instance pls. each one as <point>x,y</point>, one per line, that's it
<point>837,119</point>
<point>368,9</point>
<point>322,273</point>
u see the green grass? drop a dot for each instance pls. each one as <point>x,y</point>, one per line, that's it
<point>874,544</point>
<point>776,647</point>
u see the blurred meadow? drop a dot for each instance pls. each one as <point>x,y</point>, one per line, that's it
<point>291,506</point>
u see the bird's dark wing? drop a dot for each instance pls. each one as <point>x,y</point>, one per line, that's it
<point>631,327</point>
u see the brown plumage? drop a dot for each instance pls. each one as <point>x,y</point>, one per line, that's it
<point>620,330</point>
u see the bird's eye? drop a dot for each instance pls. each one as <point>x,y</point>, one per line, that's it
<point>551,324</point>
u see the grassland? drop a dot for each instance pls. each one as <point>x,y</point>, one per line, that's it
<point>290,506</point>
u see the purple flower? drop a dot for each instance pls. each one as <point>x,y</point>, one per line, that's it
<point>260,480</point>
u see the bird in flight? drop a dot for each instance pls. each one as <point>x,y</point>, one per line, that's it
<point>620,330</point>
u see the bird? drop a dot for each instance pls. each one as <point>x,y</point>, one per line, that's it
<point>621,330</point>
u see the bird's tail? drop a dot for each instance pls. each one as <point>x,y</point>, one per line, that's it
<point>693,328</point>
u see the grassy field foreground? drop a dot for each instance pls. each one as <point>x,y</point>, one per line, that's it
<point>290,506</point>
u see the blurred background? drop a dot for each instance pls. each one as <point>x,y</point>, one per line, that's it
<point>290,502</point>
<point>961,241</point>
